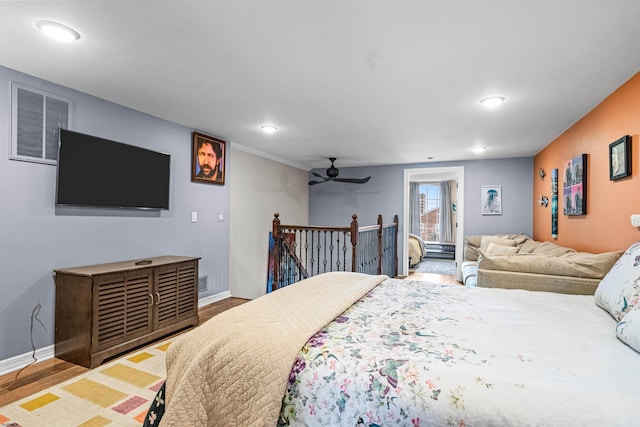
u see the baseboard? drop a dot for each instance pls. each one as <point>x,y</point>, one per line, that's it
<point>213,298</point>
<point>18,362</point>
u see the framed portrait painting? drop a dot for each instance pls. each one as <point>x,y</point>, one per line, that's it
<point>491,200</point>
<point>620,158</point>
<point>207,159</point>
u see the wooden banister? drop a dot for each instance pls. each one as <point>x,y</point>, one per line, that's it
<point>301,251</point>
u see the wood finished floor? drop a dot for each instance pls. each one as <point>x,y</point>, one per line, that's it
<point>54,371</point>
<point>48,373</point>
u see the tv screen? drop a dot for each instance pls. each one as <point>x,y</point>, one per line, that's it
<point>98,172</point>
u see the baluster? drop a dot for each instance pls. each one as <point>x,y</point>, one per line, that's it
<point>318,247</point>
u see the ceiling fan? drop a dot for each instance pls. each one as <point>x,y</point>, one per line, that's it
<point>332,175</point>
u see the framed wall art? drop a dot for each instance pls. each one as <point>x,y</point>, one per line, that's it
<point>207,159</point>
<point>575,186</point>
<point>491,200</point>
<point>620,158</point>
<point>554,203</point>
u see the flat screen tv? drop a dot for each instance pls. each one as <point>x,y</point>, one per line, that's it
<point>99,172</point>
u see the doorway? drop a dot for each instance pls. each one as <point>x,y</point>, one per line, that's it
<point>436,174</point>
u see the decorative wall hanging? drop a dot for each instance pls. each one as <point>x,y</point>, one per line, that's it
<point>543,201</point>
<point>207,159</point>
<point>554,203</point>
<point>620,158</point>
<point>491,200</point>
<point>575,186</point>
<point>542,174</point>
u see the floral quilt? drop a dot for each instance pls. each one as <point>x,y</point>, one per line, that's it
<point>419,354</point>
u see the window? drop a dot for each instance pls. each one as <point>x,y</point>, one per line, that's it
<point>430,211</point>
<point>36,116</point>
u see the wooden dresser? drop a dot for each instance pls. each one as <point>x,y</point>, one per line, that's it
<point>104,310</point>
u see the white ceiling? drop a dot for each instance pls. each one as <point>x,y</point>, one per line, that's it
<point>369,82</point>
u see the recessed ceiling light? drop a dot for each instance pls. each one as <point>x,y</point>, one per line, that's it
<point>492,101</point>
<point>478,149</point>
<point>58,31</point>
<point>269,128</point>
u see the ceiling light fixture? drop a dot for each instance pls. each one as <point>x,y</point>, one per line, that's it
<point>478,149</point>
<point>492,101</point>
<point>269,128</point>
<point>58,31</point>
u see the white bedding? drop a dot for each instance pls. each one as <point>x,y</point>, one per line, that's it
<point>414,353</point>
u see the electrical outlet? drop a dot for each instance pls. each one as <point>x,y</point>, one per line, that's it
<point>221,217</point>
<point>635,220</point>
<point>194,216</point>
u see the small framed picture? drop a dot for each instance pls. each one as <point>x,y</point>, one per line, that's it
<point>207,159</point>
<point>620,158</point>
<point>491,200</point>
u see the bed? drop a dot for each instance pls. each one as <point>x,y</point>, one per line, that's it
<point>416,249</point>
<point>348,349</point>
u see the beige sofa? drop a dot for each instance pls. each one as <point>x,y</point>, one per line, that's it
<point>515,261</point>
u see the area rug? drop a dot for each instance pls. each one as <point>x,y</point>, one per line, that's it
<point>436,266</point>
<point>117,393</point>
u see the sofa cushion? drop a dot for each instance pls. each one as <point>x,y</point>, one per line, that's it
<point>619,291</point>
<point>496,240</point>
<point>529,246</point>
<point>471,245</point>
<point>473,242</point>
<point>497,249</point>
<point>628,329</point>
<point>551,249</point>
<point>593,266</point>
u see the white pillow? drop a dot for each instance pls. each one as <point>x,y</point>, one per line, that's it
<point>619,290</point>
<point>628,329</point>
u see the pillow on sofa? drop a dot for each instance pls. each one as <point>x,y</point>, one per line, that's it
<point>619,291</point>
<point>503,241</point>
<point>628,329</point>
<point>529,246</point>
<point>552,249</point>
<point>497,249</point>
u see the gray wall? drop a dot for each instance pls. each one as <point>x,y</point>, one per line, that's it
<point>35,238</point>
<point>333,203</point>
<point>264,187</point>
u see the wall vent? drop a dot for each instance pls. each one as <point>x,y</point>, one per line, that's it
<point>202,284</point>
<point>36,117</point>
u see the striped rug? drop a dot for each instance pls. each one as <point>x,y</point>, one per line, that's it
<point>117,393</point>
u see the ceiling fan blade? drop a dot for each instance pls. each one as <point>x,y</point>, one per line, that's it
<point>316,182</point>
<point>317,175</point>
<point>353,180</point>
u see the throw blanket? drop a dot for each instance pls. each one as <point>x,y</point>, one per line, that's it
<point>233,370</point>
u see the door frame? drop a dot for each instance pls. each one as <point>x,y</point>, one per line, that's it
<point>435,174</point>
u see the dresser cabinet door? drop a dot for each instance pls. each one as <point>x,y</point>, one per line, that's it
<point>123,307</point>
<point>177,292</point>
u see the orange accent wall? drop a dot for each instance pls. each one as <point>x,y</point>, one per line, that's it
<point>606,226</point>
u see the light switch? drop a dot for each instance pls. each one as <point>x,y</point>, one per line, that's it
<point>220,216</point>
<point>635,220</point>
<point>194,216</point>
